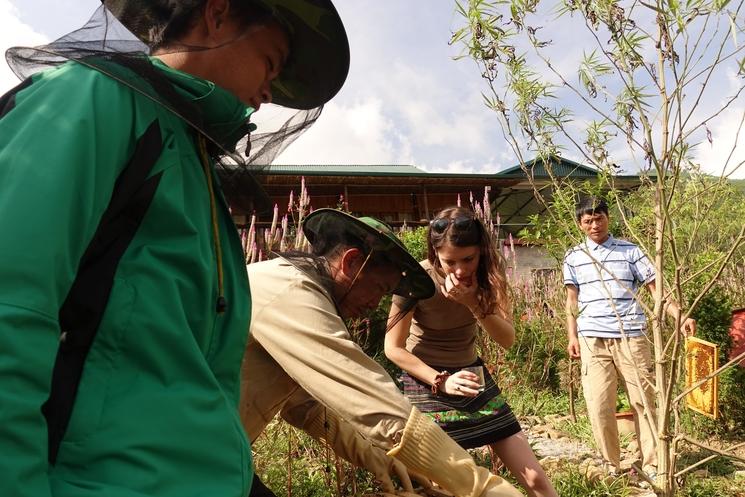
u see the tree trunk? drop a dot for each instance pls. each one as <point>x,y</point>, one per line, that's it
<point>663,437</point>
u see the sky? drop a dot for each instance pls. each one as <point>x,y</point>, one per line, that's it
<point>406,100</point>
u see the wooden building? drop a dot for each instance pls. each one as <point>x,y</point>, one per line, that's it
<point>401,194</point>
<point>405,193</point>
<point>393,193</point>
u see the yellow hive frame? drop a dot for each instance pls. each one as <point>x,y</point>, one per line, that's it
<point>702,359</point>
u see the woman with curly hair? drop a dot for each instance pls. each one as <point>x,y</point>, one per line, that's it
<point>436,340</point>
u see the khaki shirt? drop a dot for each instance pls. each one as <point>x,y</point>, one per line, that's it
<point>298,342</point>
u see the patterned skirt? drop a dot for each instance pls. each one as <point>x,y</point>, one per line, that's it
<point>470,421</point>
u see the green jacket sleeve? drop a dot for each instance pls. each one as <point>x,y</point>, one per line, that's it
<point>60,154</point>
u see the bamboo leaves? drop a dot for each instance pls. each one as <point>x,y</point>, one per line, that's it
<point>590,69</point>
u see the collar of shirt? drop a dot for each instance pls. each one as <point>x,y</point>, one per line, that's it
<point>224,117</point>
<point>608,243</point>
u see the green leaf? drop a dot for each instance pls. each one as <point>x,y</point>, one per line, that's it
<point>732,28</point>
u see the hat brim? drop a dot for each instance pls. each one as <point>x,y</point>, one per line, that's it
<point>318,62</point>
<point>415,282</point>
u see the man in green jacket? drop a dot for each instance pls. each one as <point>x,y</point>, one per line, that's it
<point>123,296</point>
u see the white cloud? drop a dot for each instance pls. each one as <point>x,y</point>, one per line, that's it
<point>458,166</point>
<point>725,154</point>
<point>476,166</point>
<point>355,134</point>
<point>404,153</point>
<point>433,110</point>
<point>14,32</point>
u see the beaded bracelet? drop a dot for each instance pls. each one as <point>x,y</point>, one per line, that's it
<point>440,378</point>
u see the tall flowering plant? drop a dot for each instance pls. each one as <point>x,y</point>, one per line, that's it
<point>283,234</point>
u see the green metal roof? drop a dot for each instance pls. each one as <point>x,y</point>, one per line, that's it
<point>560,167</point>
<point>361,170</point>
<point>345,170</point>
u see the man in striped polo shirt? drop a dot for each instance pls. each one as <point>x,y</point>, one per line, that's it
<point>607,329</point>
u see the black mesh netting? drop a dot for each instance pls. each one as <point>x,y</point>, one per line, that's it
<point>104,44</point>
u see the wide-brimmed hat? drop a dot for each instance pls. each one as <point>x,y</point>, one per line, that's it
<point>378,236</point>
<point>318,62</point>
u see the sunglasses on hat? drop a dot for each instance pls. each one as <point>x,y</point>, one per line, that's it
<point>460,223</point>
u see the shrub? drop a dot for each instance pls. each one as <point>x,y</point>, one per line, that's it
<point>415,241</point>
<point>540,338</point>
<point>713,318</point>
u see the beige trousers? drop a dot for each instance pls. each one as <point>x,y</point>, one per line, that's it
<point>603,360</point>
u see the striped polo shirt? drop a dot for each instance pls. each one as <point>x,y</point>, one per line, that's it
<point>608,276</point>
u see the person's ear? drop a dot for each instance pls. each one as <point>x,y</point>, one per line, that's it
<point>216,15</point>
<point>351,260</point>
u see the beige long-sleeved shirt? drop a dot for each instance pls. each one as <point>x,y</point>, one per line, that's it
<point>298,341</point>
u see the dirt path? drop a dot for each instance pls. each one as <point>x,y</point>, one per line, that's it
<point>556,449</point>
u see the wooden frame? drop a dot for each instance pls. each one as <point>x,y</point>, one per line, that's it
<point>702,359</point>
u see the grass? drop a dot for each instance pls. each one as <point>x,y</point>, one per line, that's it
<point>581,430</point>
<point>719,466</point>
<point>526,401</point>
<point>712,487</point>
<point>286,458</point>
<point>571,482</point>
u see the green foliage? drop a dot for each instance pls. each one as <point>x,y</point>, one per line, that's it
<point>719,487</point>
<point>706,216</point>
<point>738,184</point>
<point>597,139</point>
<point>286,456</point>
<point>732,403</point>
<point>540,336</point>
<point>581,430</point>
<point>731,422</point>
<point>590,70</point>
<point>534,401</point>
<point>713,317</point>
<point>622,402</point>
<point>415,241</point>
<point>571,482</point>
<point>719,466</point>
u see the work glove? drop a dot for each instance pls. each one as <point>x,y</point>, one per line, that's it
<point>426,449</point>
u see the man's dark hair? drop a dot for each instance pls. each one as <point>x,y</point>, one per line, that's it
<point>591,206</point>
